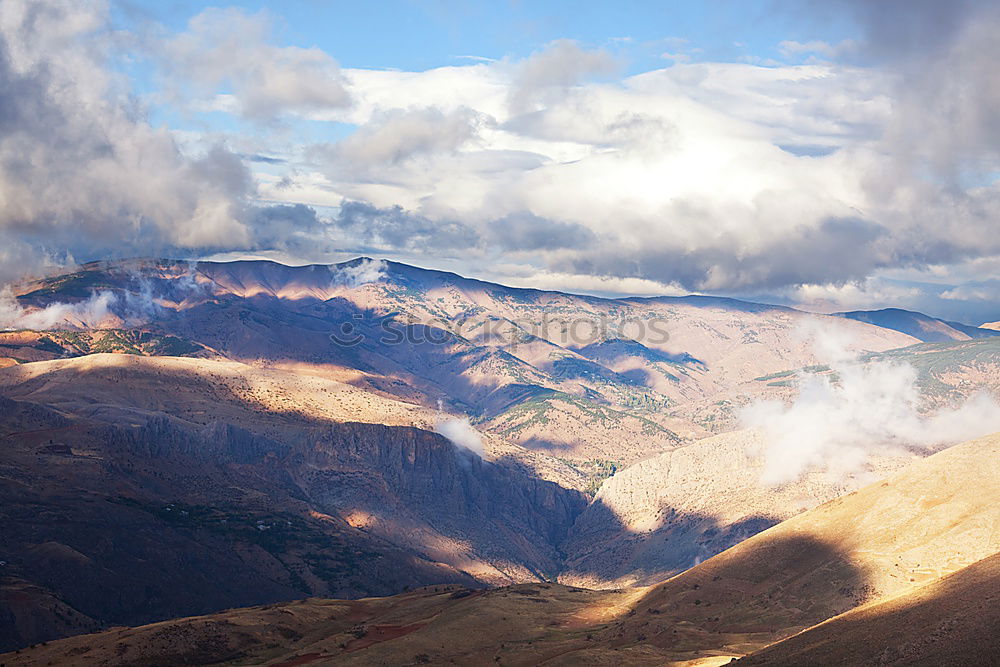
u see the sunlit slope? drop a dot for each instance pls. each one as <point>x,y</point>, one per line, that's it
<point>672,511</point>
<point>952,622</point>
<point>935,517</point>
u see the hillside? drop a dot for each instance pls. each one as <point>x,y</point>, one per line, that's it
<point>948,623</point>
<point>663,515</point>
<point>121,472</point>
<point>308,399</point>
<point>933,518</point>
<point>892,543</point>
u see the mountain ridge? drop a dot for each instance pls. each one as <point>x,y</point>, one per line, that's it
<point>923,327</point>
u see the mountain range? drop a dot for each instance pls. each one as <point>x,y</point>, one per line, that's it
<point>181,438</point>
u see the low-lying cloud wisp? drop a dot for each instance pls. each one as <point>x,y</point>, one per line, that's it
<point>840,419</point>
<point>364,272</point>
<point>59,315</point>
<point>461,434</point>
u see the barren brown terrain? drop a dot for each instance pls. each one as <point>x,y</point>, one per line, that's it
<point>923,539</point>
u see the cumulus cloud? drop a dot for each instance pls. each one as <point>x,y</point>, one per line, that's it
<point>524,232</point>
<point>856,410</point>
<point>545,77</point>
<point>79,168</point>
<point>395,136</point>
<point>985,290</point>
<point>717,176</point>
<point>369,226</point>
<point>714,176</point>
<point>864,294</point>
<point>230,49</point>
<point>293,228</point>
<point>675,189</point>
<point>461,434</point>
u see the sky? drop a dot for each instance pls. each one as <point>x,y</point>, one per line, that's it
<point>834,155</point>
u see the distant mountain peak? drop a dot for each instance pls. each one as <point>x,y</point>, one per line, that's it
<point>923,327</point>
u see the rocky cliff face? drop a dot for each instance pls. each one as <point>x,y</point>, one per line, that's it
<point>485,511</point>
<point>121,524</point>
<point>383,476</point>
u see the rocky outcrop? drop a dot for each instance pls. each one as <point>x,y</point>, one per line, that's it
<point>124,524</point>
<point>218,442</point>
<point>491,512</point>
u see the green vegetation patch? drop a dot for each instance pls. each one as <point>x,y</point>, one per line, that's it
<point>595,470</point>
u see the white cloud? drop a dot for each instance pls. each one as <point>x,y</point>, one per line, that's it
<point>88,313</point>
<point>837,424</point>
<point>230,49</point>
<point>792,48</point>
<point>529,277</point>
<point>461,434</point>
<point>394,138</point>
<point>676,57</point>
<point>860,295</point>
<point>651,164</point>
<point>548,75</point>
<point>79,170</point>
<point>361,273</point>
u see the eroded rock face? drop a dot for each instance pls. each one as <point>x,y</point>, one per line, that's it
<point>125,524</point>
<point>504,522</point>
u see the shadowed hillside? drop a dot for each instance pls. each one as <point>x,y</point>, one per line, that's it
<point>887,549</point>
<point>188,498</point>
<point>922,327</point>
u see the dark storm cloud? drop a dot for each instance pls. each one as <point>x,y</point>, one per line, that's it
<point>944,55</point>
<point>838,249</point>
<point>265,159</point>
<point>902,28</point>
<point>395,228</point>
<point>528,232</point>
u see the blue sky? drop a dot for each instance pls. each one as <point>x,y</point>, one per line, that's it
<point>415,35</point>
<point>834,155</point>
